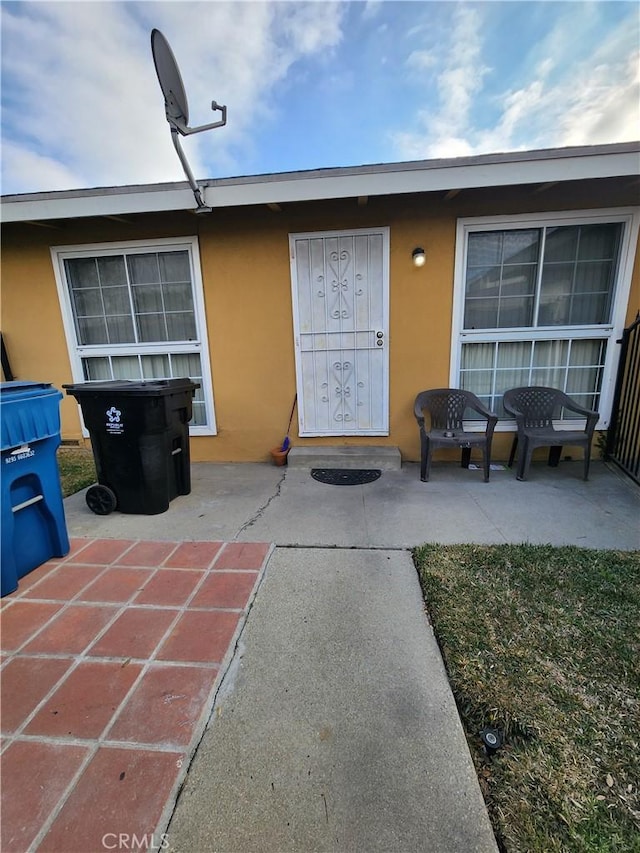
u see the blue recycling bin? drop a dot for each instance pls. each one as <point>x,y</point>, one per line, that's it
<point>33,524</point>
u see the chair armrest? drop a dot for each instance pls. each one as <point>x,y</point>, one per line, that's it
<point>482,410</point>
<point>591,416</point>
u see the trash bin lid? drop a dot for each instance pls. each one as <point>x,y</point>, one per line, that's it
<point>21,390</point>
<point>131,387</point>
<point>29,412</point>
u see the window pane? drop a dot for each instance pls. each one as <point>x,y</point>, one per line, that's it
<point>552,377</point>
<point>151,327</point>
<point>96,369</point>
<point>561,243</point>
<point>87,303</point>
<point>514,354</point>
<point>483,281</point>
<point>481,314</point>
<point>484,248</point>
<point>581,380</point>
<point>477,356</point>
<point>555,291</point>
<point>589,309</point>
<point>81,272</point>
<point>126,367</point>
<point>112,271</point>
<point>92,330</point>
<point>181,327</point>
<point>478,381</point>
<point>147,297</point>
<point>599,242</point>
<point>116,300</point>
<point>515,312</point>
<point>594,276</point>
<point>143,269</point>
<point>120,330</point>
<point>174,266</point>
<point>546,353</point>
<point>521,246</point>
<point>518,280</point>
<point>177,297</point>
<point>587,353</point>
<point>155,367</point>
<point>186,365</point>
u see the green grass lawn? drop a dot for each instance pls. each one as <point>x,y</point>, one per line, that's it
<point>544,644</point>
<point>77,470</point>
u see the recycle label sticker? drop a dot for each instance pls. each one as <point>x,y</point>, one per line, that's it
<point>114,424</point>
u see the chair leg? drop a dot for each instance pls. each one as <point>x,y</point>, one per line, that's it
<point>587,462</point>
<point>429,455</point>
<point>524,461</point>
<point>554,455</point>
<point>486,459</point>
<point>424,453</point>
<point>512,455</point>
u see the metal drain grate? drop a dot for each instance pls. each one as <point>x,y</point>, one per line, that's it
<point>345,476</point>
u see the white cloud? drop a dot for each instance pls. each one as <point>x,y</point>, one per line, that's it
<point>44,171</point>
<point>574,96</point>
<point>82,77</point>
<point>421,60</point>
<point>442,131</point>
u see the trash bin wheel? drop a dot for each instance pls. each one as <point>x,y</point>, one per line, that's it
<point>101,499</point>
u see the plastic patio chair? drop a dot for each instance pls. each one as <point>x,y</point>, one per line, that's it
<point>534,408</point>
<point>446,408</point>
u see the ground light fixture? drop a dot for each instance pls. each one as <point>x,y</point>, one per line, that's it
<point>492,740</point>
<point>418,256</point>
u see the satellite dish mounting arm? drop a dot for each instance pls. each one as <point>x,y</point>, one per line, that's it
<point>178,125</point>
<point>177,108</point>
<point>176,118</point>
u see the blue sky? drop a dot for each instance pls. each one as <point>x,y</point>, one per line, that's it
<point>307,85</point>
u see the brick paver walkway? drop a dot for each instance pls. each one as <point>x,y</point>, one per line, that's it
<point>111,659</point>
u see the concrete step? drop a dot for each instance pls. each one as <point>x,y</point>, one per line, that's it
<point>322,456</point>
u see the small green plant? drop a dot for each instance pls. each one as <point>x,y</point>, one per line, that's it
<point>601,443</point>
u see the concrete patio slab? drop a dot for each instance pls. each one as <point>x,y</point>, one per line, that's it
<point>261,502</point>
<point>335,729</point>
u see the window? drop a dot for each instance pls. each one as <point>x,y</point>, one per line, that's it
<point>134,311</point>
<point>540,300</point>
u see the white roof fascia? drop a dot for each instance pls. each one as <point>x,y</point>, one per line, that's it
<point>537,167</point>
<point>421,180</point>
<point>112,204</point>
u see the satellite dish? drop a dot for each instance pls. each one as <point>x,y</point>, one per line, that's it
<point>175,97</point>
<point>177,108</point>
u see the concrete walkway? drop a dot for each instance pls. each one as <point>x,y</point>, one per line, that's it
<point>335,729</point>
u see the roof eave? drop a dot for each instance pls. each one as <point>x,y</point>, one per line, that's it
<point>513,168</point>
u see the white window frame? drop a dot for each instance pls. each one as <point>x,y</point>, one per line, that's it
<point>630,219</point>
<point>79,351</point>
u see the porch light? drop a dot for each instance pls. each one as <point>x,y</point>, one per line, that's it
<point>418,256</point>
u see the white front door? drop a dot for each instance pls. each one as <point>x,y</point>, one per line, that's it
<point>340,284</point>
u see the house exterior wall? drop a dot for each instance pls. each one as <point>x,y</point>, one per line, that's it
<point>244,255</point>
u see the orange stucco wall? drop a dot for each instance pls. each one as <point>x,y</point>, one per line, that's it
<point>247,290</point>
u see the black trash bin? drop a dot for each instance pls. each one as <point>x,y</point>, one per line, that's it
<point>140,438</point>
